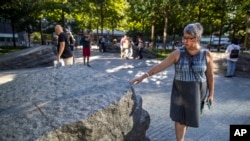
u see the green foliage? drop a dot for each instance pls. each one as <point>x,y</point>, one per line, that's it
<point>162,54</point>
<point>36,37</point>
<point>167,17</point>
<point>9,49</point>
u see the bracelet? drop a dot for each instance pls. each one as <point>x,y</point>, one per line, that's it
<point>147,74</point>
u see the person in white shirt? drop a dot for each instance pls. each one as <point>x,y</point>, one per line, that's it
<point>121,46</point>
<point>231,61</point>
<point>126,47</point>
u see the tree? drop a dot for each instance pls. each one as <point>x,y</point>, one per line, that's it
<point>158,17</point>
<point>16,11</point>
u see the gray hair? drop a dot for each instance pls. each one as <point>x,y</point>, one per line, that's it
<point>194,29</point>
<point>70,34</point>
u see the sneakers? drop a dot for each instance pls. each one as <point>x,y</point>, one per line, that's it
<point>86,64</point>
<point>228,76</point>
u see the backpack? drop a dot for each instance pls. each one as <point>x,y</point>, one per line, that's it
<point>234,53</point>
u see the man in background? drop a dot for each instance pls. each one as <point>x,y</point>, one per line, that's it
<point>63,49</point>
<point>85,42</point>
<point>121,46</point>
<point>103,44</point>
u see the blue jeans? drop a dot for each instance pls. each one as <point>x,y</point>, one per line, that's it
<point>231,65</point>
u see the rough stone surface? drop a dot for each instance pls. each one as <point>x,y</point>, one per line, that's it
<point>28,58</point>
<point>87,105</point>
<point>243,63</point>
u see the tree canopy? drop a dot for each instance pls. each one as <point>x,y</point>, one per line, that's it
<point>151,18</point>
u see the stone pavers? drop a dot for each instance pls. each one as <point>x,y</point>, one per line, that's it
<point>231,105</point>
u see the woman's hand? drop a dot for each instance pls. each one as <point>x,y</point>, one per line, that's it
<point>210,99</point>
<point>136,80</point>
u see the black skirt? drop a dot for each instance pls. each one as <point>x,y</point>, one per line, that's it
<point>186,101</point>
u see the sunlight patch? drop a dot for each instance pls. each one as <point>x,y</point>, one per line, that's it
<point>118,68</point>
<point>7,78</point>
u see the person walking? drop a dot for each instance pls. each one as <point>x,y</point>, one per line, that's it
<point>232,56</point>
<point>127,47</point>
<point>71,44</point>
<point>103,41</point>
<point>100,44</point>
<point>140,46</point>
<point>63,49</point>
<point>121,46</point>
<point>85,42</point>
<point>193,83</point>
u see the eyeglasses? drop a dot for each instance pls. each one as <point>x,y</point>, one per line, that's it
<point>187,38</point>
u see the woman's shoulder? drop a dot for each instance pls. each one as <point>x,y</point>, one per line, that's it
<point>208,54</point>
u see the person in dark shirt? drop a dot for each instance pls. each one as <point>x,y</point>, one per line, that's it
<point>140,46</point>
<point>71,41</point>
<point>103,44</point>
<point>71,44</point>
<point>63,50</point>
<point>85,42</point>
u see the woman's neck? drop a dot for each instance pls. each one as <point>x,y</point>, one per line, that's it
<point>194,49</point>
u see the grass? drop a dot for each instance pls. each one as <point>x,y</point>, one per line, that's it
<point>9,49</point>
<point>162,54</point>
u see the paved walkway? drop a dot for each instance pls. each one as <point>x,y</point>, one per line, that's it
<point>231,106</point>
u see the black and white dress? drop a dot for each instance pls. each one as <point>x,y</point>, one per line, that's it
<point>189,88</point>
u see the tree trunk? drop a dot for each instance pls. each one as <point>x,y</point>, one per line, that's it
<point>221,25</point>
<point>102,18</point>
<point>199,16</point>
<point>63,19</point>
<point>13,32</point>
<point>97,34</point>
<point>143,27</point>
<point>152,36</point>
<point>165,30</point>
<point>29,37</point>
<point>173,39</point>
<point>41,32</point>
<point>211,35</point>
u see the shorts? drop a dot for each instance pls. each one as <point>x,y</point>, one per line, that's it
<point>123,49</point>
<point>86,51</point>
<point>68,61</point>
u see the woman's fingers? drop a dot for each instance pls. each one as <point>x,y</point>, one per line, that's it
<point>134,81</point>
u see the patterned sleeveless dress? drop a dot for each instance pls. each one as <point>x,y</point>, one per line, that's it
<point>189,88</point>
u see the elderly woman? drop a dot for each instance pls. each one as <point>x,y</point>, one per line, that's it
<point>193,79</point>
